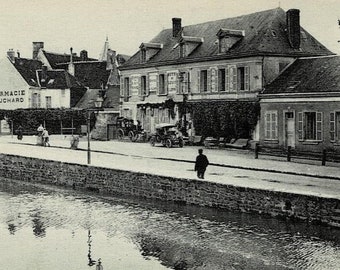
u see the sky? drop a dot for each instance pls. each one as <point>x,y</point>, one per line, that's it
<point>85,24</point>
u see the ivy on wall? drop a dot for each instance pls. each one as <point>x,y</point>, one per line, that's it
<point>53,119</point>
<point>230,119</point>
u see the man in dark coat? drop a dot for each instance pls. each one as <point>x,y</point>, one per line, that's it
<point>201,164</point>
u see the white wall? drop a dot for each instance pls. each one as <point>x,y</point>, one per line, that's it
<point>14,90</point>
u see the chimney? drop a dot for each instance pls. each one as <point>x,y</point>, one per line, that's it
<point>83,55</point>
<point>293,27</point>
<point>11,55</point>
<point>176,26</point>
<point>71,65</point>
<point>36,47</point>
<point>18,53</point>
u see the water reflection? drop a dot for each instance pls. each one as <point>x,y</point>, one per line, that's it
<point>133,234</point>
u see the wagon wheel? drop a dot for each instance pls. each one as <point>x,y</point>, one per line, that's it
<point>133,136</point>
<point>168,143</point>
<point>152,141</point>
<point>180,142</point>
<point>120,134</point>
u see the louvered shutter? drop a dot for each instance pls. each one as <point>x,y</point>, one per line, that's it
<point>147,85</point>
<point>199,88</point>
<point>209,78</point>
<point>234,78</point>
<point>319,126</point>
<point>332,126</point>
<point>246,78</point>
<point>122,87</point>
<point>267,125</point>
<point>300,126</point>
<point>227,80</point>
<point>214,80</point>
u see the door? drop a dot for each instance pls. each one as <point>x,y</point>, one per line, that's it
<point>290,129</point>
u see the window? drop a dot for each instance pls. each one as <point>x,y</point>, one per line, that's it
<point>182,50</point>
<point>243,78</point>
<point>310,126</point>
<point>204,81</point>
<point>126,89</point>
<point>161,84</point>
<point>36,100</point>
<point>334,126</point>
<point>271,125</point>
<point>221,80</point>
<point>143,55</point>
<point>143,86</point>
<point>48,102</point>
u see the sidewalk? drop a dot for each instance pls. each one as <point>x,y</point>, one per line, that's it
<point>232,167</point>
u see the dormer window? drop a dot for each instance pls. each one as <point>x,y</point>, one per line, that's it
<point>188,45</point>
<point>149,50</point>
<point>227,38</point>
<point>143,55</point>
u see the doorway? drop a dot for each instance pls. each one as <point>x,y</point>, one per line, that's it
<point>289,129</point>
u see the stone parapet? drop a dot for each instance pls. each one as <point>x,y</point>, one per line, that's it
<point>113,181</point>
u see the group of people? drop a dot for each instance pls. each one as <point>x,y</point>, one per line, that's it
<point>43,136</point>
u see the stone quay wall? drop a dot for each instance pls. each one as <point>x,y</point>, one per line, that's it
<point>112,182</point>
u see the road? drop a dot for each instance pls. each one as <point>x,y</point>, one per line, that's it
<point>227,167</point>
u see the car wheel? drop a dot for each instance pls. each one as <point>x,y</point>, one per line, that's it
<point>180,142</point>
<point>168,143</point>
<point>132,136</point>
<point>120,134</point>
<point>152,141</point>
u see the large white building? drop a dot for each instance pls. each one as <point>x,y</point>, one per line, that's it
<point>27,83</point>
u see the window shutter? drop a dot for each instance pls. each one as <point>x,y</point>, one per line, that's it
<point>267,125</point>
<point>274,125</point>
<point>166,83</point>
<point>227,80</point>
<point>233,78</point>
<point>246,78</point>
<point>214,80</point>
<point>199,81</point>
<point>147,86</point>
<point>129,91</point>
<point>300,126</point>
<point>332,126</point>
<point>121,87</point>
<point>209,78</point>
<point>319,126</point>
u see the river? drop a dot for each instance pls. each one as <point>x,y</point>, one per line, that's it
<point>54,228</point>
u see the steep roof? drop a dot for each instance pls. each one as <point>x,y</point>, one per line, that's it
<point>265,34</point>
<point>308,75</point>
<point>58,79</point>
<point>27,69</point>
<point>91,74</point>
<point>55,58</point>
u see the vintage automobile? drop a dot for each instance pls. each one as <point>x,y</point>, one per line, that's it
<point>126,127</point>
<point>167,135</point>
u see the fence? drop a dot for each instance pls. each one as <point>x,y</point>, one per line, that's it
<point>289,154</point>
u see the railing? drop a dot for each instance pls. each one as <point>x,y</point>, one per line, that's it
<point>289,153</point>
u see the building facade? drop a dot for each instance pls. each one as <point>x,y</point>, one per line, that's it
<point>301,108</point>
<point>26,83</point>
<point>213,67</point>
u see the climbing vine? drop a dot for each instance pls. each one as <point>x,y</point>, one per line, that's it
<point>53,119</point>
<point>231,119</point>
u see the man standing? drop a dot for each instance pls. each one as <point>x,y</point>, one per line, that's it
<point>201,164</point>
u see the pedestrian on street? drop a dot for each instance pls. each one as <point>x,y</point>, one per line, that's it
<point>46,137</point>
<point>201,164</point>
<point>20,131</point>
